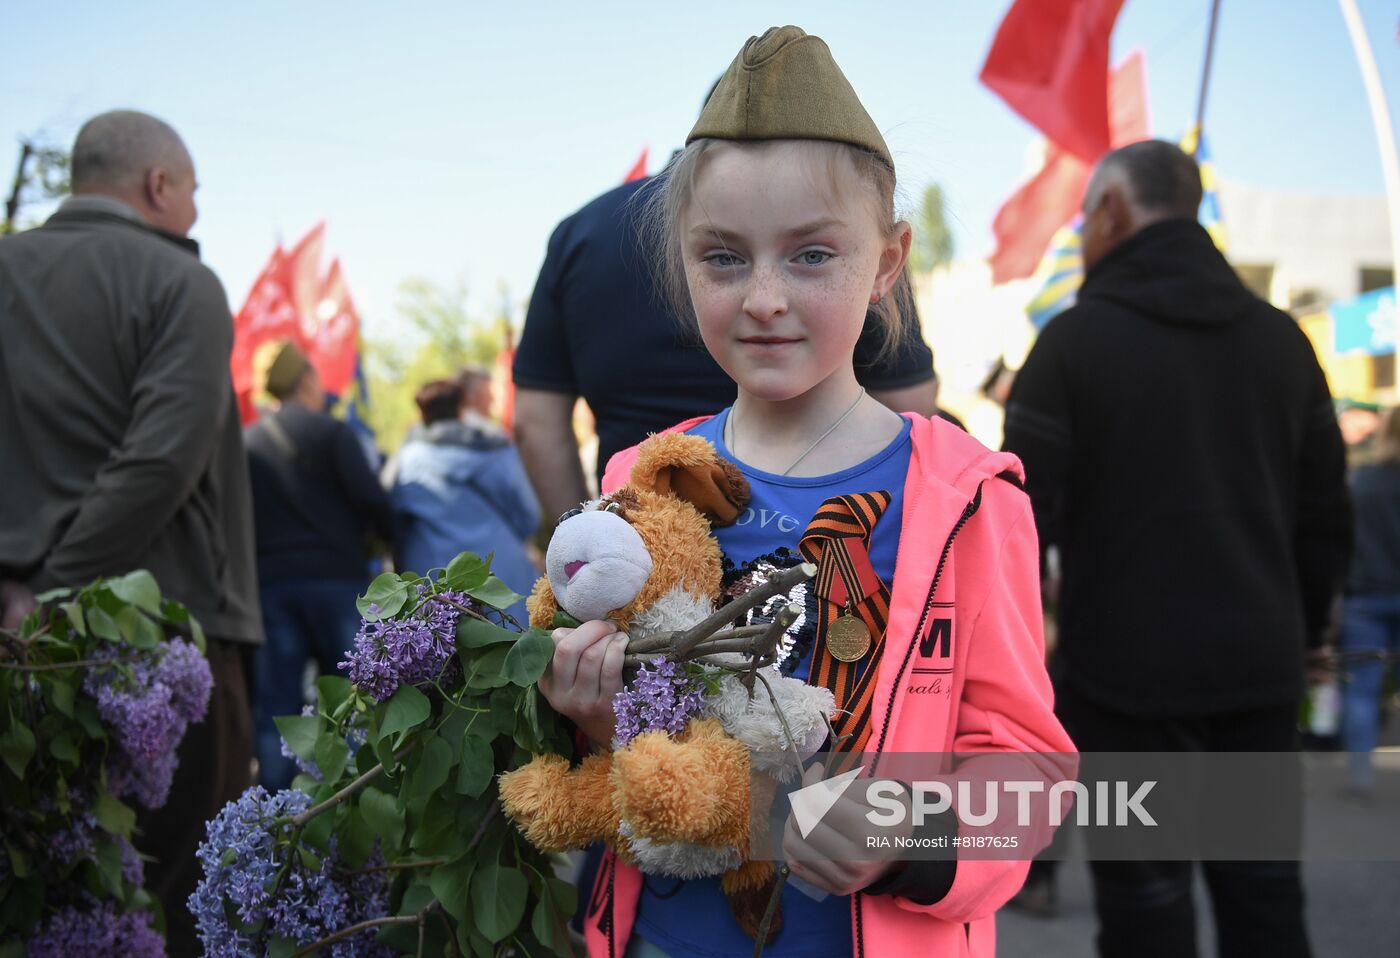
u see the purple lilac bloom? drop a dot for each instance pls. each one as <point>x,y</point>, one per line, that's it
<point>185,671</point>
<point>76,841</point>
<point>101,931</point>
<point>148,700</point>
<point>663,697</point>
<point>241,860</point>
<point>407,651</point>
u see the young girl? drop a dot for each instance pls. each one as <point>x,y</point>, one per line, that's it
<point>778,230</point>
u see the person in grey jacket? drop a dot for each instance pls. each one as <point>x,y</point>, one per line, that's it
<point>460,487</point>
<point>120,445</point>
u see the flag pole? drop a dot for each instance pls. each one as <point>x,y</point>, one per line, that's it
<point>1205,78</point>
<point>1380,120</point>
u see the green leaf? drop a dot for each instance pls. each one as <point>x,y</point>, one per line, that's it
<point>61,695</point>
<point>139,631</point>
<point>64,748</point>
<point>22,906</point>
<point>309,861</point>
<point>387,593</point>
<point>355,840</point>
<point>431,771</point>
<point>301,732</point>
<point>278,947</point>
<point>103,625</point>
<point>477,768</point>
<point>549,923</point>
<point>109,867</point>
<point>381,812</point>
<point>114,817</point>
<point>17,747</point>
<point>528,657</point>
<point>89,719</point>
<point>332,753</point>
<point>486,667</point>
<point>475,634</point>
<point>562,620</point>
<point>332,691</point>
<point>498,900</point>
<point>139,589</point>
<point>73,611</point>
<point>407,708</point>
<point>14,948</point>
<point>466,572</point>
<point>450,885</point>
<point>494,593</point>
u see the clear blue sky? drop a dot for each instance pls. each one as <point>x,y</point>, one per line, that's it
<point>445,139</point>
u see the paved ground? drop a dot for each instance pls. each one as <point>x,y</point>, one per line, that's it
<point>1353,907</point>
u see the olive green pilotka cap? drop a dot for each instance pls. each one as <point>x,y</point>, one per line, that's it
<point>286,370</point>
<point>785,85</point>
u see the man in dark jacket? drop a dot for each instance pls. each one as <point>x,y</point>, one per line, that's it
<point>120,446</point>
<point>316,504</point>
<point>1180,450</point>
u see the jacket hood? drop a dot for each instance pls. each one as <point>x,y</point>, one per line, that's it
<point>948,457</point>
<point>1170,272</point>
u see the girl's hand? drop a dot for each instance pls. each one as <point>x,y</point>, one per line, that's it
<point>584,675</point>
<point>834,857</point>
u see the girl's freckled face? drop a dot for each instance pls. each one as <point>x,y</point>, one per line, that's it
<point>780,263</point>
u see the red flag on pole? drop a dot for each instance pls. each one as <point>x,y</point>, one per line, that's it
<point>292,300</point>
<point>1028,219</point>
<point>639,168</point>
<point>1049,62</point>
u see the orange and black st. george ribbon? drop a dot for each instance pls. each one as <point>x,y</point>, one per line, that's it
<point>837,540</point>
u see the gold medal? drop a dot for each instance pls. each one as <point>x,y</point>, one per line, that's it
<point>847,639</point>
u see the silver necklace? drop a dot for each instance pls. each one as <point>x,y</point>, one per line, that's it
<point>729,428</point>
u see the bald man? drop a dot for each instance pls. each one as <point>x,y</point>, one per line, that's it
<point>120,445</point>
<point>1180,450</point>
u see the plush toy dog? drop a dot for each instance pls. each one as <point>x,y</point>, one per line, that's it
<point>673,804</point>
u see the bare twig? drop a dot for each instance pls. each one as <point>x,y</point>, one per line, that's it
<point>466,609</point>
<point>782,719</point>
<point>781,583</point>
<point>398,867</point>
<point>659,643</point>
<point>762,937</point>
<point>354,787</point>
<point>57,666</point>
<point>419,919</point>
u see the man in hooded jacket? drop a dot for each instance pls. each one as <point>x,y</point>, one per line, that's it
<point>1181,451</point>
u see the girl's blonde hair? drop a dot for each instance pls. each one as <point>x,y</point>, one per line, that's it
<point>666,206</point>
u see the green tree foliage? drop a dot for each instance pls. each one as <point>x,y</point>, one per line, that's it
<point>933,241</point>
<point>440,337</point>
<point>41,174</point>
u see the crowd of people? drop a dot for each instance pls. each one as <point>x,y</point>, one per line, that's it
<point>1171,436</point>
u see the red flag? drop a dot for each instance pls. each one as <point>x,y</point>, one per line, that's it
<point>1049,62</point>
<point>267,314</point>
<point>639,168</point>
<point>505,360</point>
<point>292,300</point>
<point>1027,221</point>
<point>336,331</point>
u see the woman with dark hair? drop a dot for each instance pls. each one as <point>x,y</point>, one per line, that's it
<point>1370,639</point>
<point>460,487</point>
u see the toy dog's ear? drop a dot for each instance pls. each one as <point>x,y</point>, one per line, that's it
<point>689,468</point>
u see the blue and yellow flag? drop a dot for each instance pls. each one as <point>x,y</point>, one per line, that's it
<point>1063,269</point>
<point>1209,214</point>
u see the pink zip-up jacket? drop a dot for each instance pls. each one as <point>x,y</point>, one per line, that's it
<point>967,552</point>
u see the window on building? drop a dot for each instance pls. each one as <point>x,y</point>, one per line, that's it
<point>1259,277</point>
<point>1383,371</point>
<point>1376,277</point>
